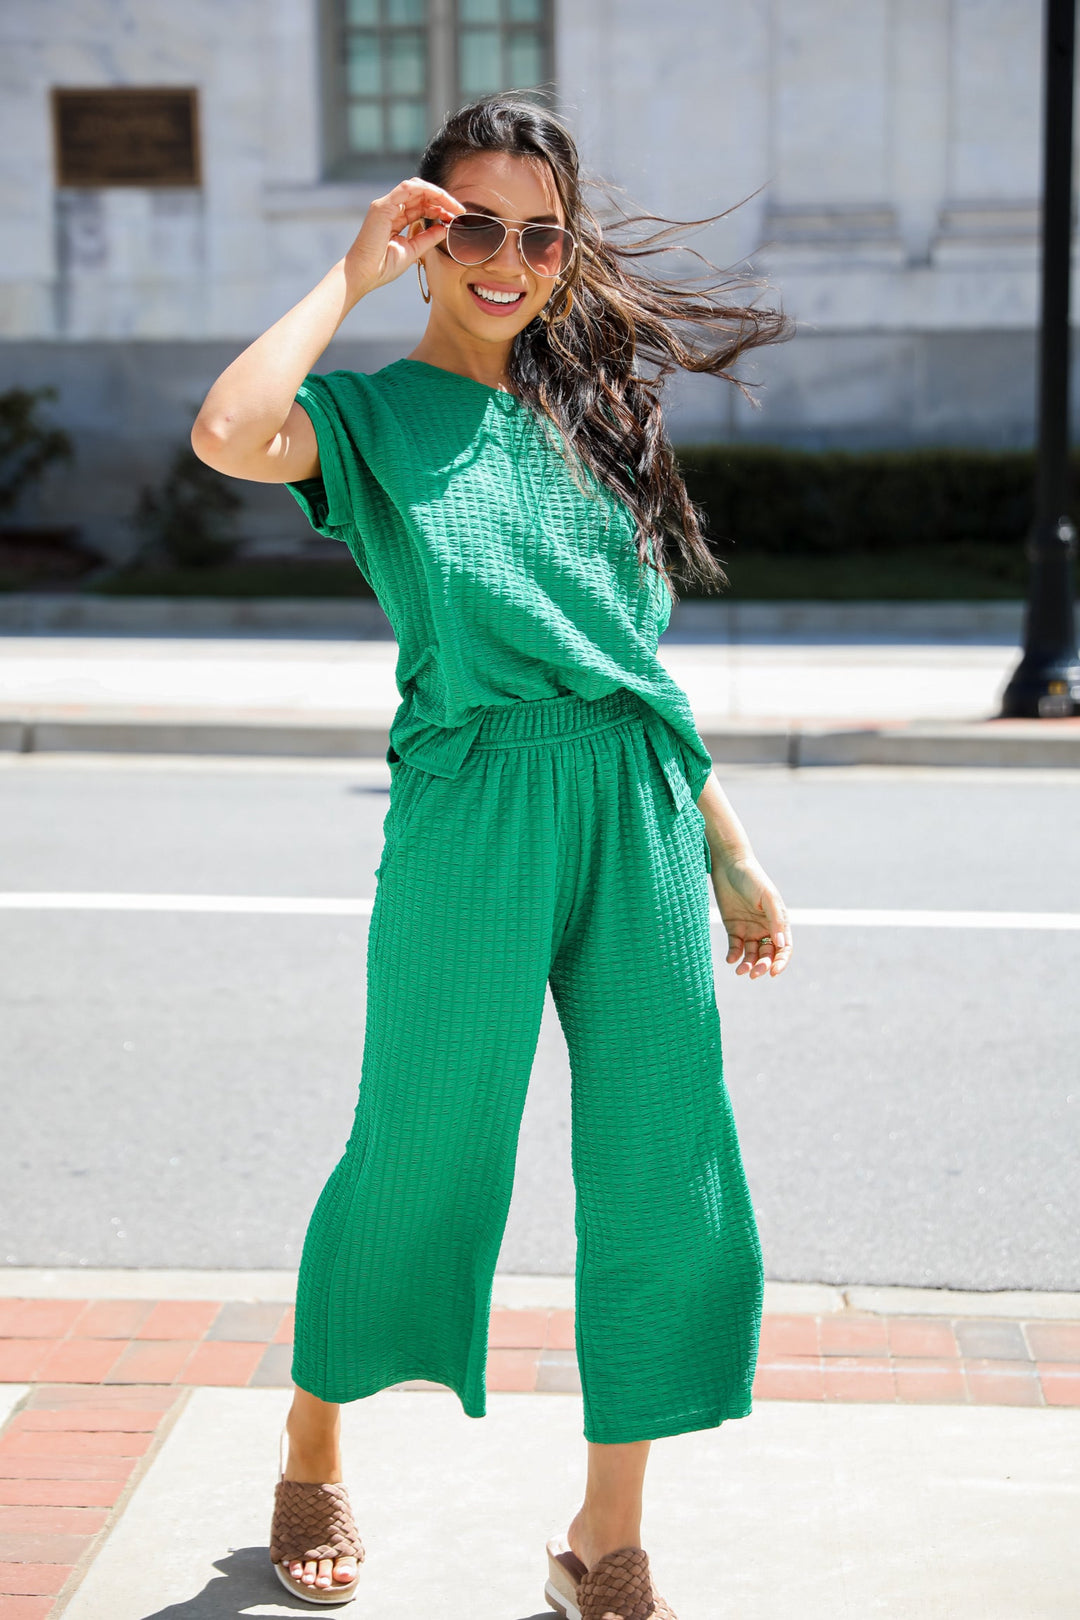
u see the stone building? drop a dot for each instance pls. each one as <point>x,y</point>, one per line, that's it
<point>884,153</point>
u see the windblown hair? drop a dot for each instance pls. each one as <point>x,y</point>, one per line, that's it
<point>584,372</point>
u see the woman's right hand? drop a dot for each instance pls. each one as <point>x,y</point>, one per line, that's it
<point>380,253</point>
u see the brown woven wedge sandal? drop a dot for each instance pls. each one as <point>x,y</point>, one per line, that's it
<point>312,1521</point>
<point>618,1586</point>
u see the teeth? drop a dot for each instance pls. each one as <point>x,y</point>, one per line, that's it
<point>496,297</point>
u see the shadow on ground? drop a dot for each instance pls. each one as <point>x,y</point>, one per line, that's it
<point>247,1586</point>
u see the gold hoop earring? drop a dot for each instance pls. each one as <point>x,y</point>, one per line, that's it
<point>425,292</point>
<point>567,306</point>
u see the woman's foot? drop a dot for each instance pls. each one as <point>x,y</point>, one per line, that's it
<point>314,1456</point>
<point>591,1541</point>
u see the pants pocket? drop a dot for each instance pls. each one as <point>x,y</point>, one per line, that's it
<point>408,786</point>
<point>705,841</point>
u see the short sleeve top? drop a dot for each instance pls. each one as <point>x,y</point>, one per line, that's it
<point>506,573</point>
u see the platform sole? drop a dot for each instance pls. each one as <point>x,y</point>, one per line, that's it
<point>561,1603</point>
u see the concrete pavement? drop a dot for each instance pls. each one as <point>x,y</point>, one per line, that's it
<point>824,1511</point>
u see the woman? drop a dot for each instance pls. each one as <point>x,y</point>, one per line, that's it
<point>509,492</point>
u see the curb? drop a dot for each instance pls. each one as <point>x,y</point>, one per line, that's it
<point>541,1291</point>
<point>30,612</point>
<point>1053,743</point>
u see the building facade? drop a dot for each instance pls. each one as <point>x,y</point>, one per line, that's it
<point>883,154</point>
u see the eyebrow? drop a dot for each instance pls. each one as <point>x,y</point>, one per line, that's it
<point>482,208</point>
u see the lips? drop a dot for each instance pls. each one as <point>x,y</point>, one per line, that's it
<point>493,308</point>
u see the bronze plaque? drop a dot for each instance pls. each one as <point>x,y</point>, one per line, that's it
<point>126,137</point>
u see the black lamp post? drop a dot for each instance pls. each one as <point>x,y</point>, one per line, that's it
<point>1046,682</point>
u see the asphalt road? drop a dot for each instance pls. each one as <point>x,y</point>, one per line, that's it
<point>176,1087</point>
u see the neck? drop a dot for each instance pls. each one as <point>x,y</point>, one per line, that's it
<point>485,363</point>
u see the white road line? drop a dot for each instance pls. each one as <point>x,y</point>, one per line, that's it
<point>285,905</point>
<point>839,918</point>
<point>302,906</point>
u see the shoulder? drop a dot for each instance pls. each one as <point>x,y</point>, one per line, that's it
<point>362,403</point>
<point>343,387</point>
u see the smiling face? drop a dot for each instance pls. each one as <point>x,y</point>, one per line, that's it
<point>494,301</point>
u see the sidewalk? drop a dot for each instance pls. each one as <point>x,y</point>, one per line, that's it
<point>910,1452</point>
<point>784,701</point>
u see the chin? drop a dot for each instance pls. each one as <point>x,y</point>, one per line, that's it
<point>492,329</point>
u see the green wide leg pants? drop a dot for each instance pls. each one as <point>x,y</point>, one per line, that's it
<point>566,849</point>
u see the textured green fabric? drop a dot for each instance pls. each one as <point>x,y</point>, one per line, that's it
<point>566,850</point>
<point>502,577</point>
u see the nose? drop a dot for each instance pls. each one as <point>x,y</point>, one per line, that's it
<point>509,258</point>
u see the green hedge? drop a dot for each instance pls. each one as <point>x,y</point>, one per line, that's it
<point>835,525</point>
<point>761,498</point>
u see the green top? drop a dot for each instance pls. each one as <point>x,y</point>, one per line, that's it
<point>503,579</point>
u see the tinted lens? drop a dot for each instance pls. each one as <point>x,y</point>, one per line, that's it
<point>472,238</point>
<point>546,249</point>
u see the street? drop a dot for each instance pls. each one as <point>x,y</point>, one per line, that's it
<point>178,1085</point>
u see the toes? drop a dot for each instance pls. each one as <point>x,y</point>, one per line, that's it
<point>345,1569</point>
<point>326,1572</point>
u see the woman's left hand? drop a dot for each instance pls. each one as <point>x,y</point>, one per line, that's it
<point>751,908</point>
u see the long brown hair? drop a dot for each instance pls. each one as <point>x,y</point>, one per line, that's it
<point>582,372</point>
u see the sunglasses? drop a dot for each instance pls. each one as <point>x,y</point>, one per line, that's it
<point>475,238</point>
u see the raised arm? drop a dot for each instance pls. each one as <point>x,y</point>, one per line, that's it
<point>249,425</point>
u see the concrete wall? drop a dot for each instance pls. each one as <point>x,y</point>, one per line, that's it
<point>888,150</point>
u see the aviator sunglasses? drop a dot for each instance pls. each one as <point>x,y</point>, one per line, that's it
<point>474,238</point>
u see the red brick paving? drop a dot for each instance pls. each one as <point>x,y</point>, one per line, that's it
<point>847,1355</point>
<point>222,1363</point>
<point>24,1608</point>
<point>1004,1383</point>
<point>112,1319</point>
<point>1060,1382</point>
<point>788,1336</point>
<point>21,1359</point>
<point>921,1336</point>
<point>67,1461</point>
<point>33,1580</point>
<point>512,1369</point>
<point>20,1443</point>
<point>178,1319</point>
<point>853,1335</point>
<point>795,1378</point>
<point>78,1361</point>
<point>858,1378</point>
<point>41,1318</point>
<point>924,1379</point>
<point>517,1329</point>
<point>59,1492</point>
<point>1054,1341</point>
<point>149,1362</point>
<point>560,1329</point>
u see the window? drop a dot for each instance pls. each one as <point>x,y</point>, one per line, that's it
<point>500,46</point>
<point>395,68</point>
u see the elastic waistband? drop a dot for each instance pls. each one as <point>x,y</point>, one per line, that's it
<point>540,720</point>
<point>534,722</point>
